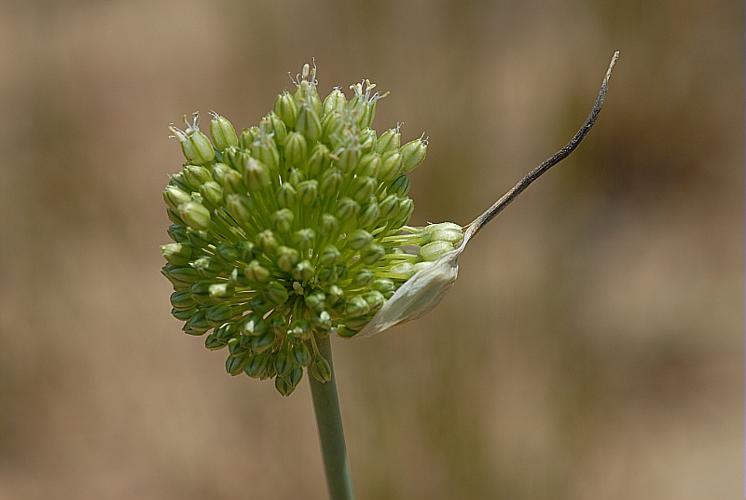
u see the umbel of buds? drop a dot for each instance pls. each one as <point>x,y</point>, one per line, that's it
<point>294,229</point>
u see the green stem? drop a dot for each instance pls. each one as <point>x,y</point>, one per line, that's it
<point>331,435</point>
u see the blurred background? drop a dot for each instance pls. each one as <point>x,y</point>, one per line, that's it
<point>591,349</point>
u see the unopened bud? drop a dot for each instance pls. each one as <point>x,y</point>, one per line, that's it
<point>239,208</point>
<point>304,271</point>
<point>329,255</point>
<point>256,273</point>
<point>286,195</point>
<point>390,166</point>
<point>369,165</point>
<point>400,186</point>
<point>303,238</point>
<point>307,191</point>
<point>329,224</point>
<point>267,241</point>
<point>276,292</point>
<point>195,215</point>
<point>212,192</point>
<point>223,132</point>
<point>359,238</point>
<point>308,123</point>
<point>177,254</point>
<point>173,196</point>
<point>296,149</point>
<point>372,253</point>
<point>282,220</point>
<point>286,109</point>
<point>347,209</point>
<point>321,370</point>
<point>435,249</point>
<point>287,258</point>
<point>331,181</point>
<point>256,175</point>
<point>356,306</point>
<point>362,188</point>
<point>412,154</point>
<point>335,101</point>
<point>370,214</point>
<point>388,141</point>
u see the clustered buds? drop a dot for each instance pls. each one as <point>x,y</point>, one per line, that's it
<point>293,229</point>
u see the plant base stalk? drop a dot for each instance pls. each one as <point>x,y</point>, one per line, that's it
<point>331,435</point>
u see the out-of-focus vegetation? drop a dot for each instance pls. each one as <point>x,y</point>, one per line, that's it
<point>590,349</point>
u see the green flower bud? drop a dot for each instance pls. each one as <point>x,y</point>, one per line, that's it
<point>239,208</point>
<point>412,154</point>
<point>318,161</point>
<point>307,191</point>
<point>282,220</point>
<point>283,363</point>
<point>347,159</point>
<point>402,271</point>
<point>276,292</point>
<point>255,366</point>
<point>329,255</point>
<point>331,126</point>
<point>347,209</point>
<point>182,300</point>
<point>213,343</point>
<point>247,250</point>
<point>368,140</point>
<point>331,182</point>
<point>256,273</point>
<point>248,137</point>
<point>446,231</point>
<point>335,101</point>
<point>223,133</point>
<point>375,300</point>
<point>254,326</point>
<point>400,186</point>
<point>177,232</point>
<point>372,254</point>
<point>421,266</point>
<point>296,149</point>
<point>207,267</point>
<point>256,175</point>
<point>303,238</point>
<point>262,343</point>
<point>304,271</point>
<point>212,192</point>
<point>220,313</point>
<point>389,206</point>
<point>300,330</point>
<point>286,109</point>
<point>390,166</point>
<point>301,354</point>
<point>197,324</point>
<point>177,254</point>
<point>316,301</point>
<point>234,363</point>
<point>220,290</point>
<point>286,195</point>
<point>406,207</point>
<point>433,250</point>
<point>183,314</point>
<point>369,165</point>
<point>197,148</point>
<point>267,241</point>
<point>370,214</point>
<point>335,295</point>
<point>308,123</point>
<point>173,196</point>
<point>329,224</point>
<point>356,306</point>
<point>195,215</point>
<point>362,188</point>
<point>265,150</point>
<point>276,127</point>
<point>359,238</point>
<point>383,285</point>
<point>321,370</point>
<point>287,258</point>
<point>388,141</point>
<point>363,277</point>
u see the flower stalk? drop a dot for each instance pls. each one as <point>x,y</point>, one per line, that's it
<point>331,435</point>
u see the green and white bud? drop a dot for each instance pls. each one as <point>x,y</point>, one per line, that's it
<point>296,149</point>
<point>435,249</point>
<point>173,196</point>
<point>256,175</point>
<point>413,153</point>
<point>308,123</point>
<point>286,109</point>
<point>223,133</point>
<point>177,254</point>
<point>195,215</point>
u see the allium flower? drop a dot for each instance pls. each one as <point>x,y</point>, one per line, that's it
<point>298,228</point>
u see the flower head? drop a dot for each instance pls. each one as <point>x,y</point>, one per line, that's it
<point>298,227</point>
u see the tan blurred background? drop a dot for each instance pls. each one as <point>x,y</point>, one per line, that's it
<point>591,349</point>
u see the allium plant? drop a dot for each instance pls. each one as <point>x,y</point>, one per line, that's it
<point>298,228</point>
